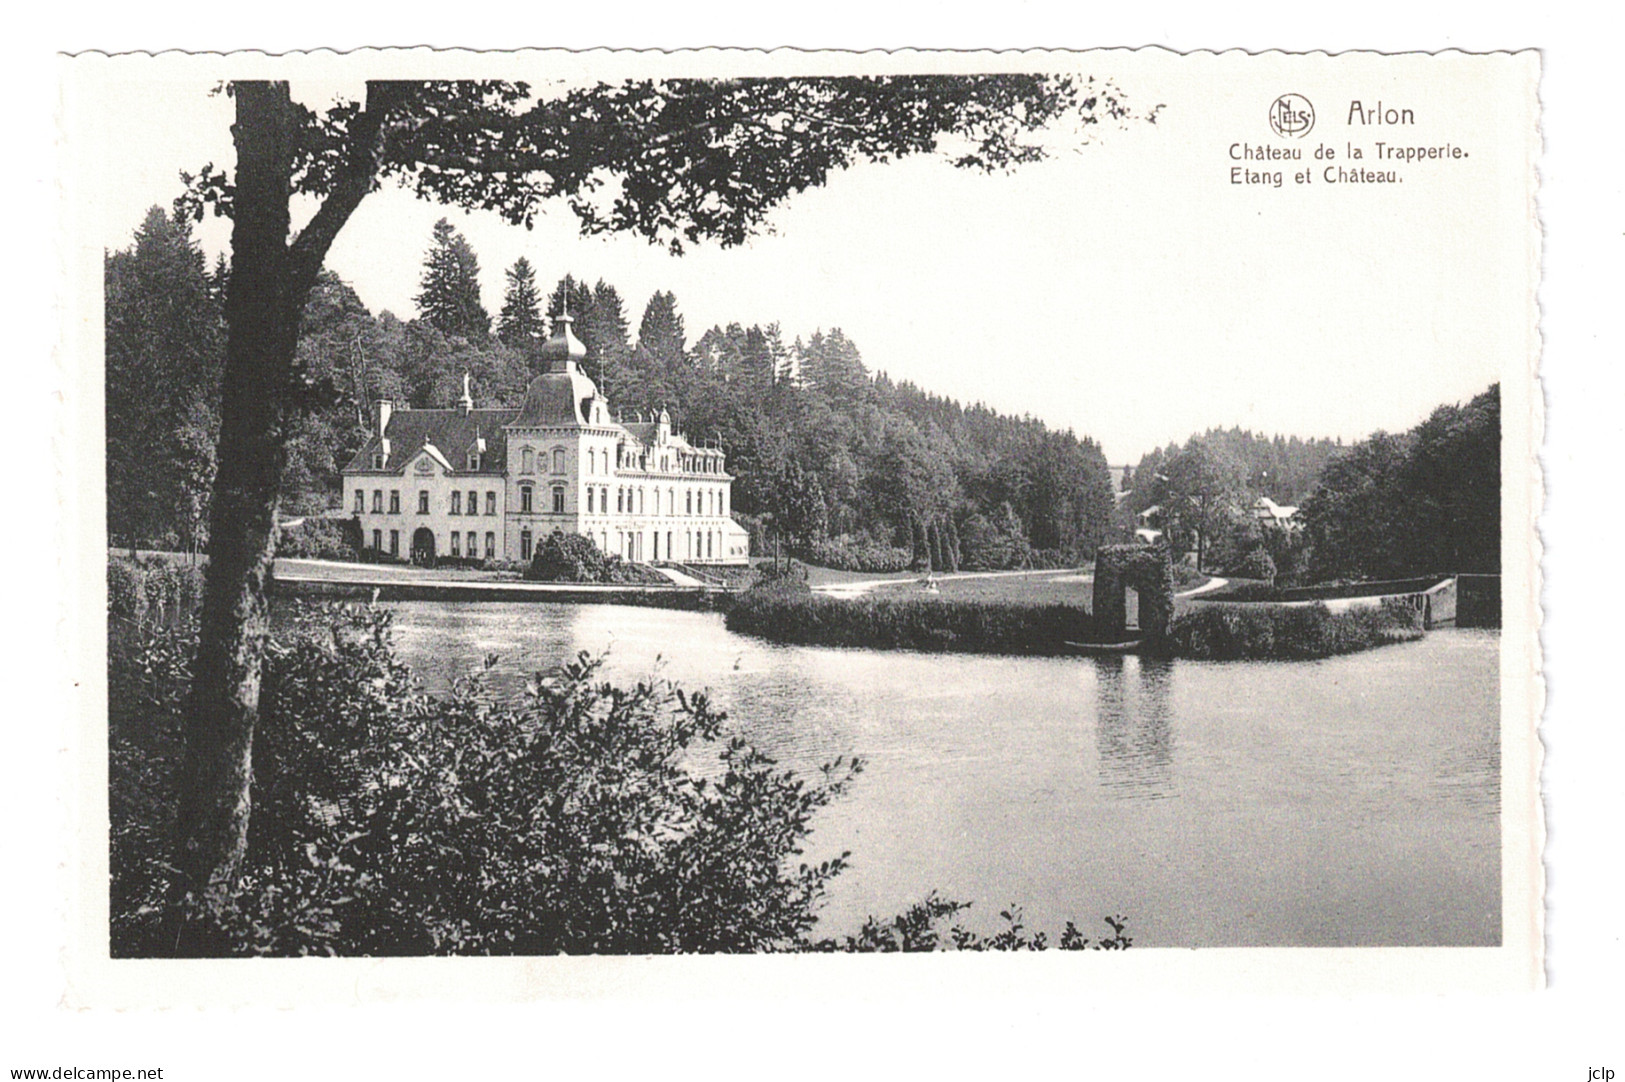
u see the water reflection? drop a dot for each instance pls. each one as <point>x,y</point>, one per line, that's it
<point>1133,733</point>
<point>1348,802</point>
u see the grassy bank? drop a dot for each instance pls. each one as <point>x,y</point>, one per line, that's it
<point>1251,632</point>
<point>1263,632</point>
<point>910,623</point>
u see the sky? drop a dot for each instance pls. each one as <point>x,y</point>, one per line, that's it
<point>1126,288</point>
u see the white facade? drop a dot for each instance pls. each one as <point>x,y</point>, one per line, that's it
<point>559,462</point>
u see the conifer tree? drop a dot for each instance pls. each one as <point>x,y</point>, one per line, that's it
<point>521,316</point>
<point>608,351</point>
<point>164,349</point>
<point>450,297</point>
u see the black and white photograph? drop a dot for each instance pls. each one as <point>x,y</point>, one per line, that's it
<point>569,504</point>
<point>929,552</point>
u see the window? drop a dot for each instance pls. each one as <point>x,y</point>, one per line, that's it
<point>394,542</point>
<point>456,545</point>
<point>689,502</point>
<point>722,501</point>
<point>558,499</point>
<point>377,499</point>
<point>473,502</point>
<point>490,503</point>
<point>589,501</point>
<point>423,501</point>
<point>527,461</point>
<point>377,460</point>
<point>360,501</point>
<point>524,499</point>
<point>620,499</point>
<point>456,504</point>
<point>640,500</point>
<point>558,460</point>
<point>524,545</point>
<point>394,501</point>
<point>473,544</point>
<point>378,540</point>
<point>473,460</point>
<point>490,546</point>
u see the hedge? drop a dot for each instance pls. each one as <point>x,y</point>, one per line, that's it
<point>910,623</point>
<point>1265,632</point>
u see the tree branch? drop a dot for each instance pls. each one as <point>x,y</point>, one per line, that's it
<point>359,175</point>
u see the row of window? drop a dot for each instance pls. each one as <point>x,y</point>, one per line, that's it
<point>527,460</point>
<point>423,502</point>
<point>629,500</point>
<point>456,548</point>
<point>598,461</point>
<point>697,544</point>
<point>527,499</point>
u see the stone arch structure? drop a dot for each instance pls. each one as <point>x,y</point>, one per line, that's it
<point>1147,570</point>
<point>423,546</point>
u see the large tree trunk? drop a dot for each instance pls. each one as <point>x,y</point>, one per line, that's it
<point>262,319</point>
<point>270,279</point>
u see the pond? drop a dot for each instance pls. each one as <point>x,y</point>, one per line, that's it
<point>1348,802</point>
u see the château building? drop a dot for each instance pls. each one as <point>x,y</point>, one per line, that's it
<point>494,482</point>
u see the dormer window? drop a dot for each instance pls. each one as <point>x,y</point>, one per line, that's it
<point>474,460</point>
<point>377,460</point>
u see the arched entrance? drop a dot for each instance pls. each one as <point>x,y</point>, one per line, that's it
<point>423,546</point>
<point>1145,570</point>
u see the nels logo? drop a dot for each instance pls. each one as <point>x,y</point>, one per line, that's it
<point>1291,116</point>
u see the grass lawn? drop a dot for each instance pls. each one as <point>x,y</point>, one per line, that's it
<point>828,576</point>
<point>1039,588</point>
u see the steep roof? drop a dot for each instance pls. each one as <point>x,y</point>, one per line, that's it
<point>452,432</point>
<point>555,398</point>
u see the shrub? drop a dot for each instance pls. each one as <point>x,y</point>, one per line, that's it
<point>1257,564</point>
<point>787,578</point>
<point>152,587</point>
<point>910,623</point>
<point>586,818</point>
<point>1185,575</point>
<point>921,928</point>
<point>321,539</point>
<point>573,557</point>
<point>857,554</point>
<point>1261,632</point>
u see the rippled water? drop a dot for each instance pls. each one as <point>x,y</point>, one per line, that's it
<point>1353,801</point>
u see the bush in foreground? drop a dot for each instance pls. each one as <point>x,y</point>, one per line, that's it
<point>1264,632</point>
<point>585,819</point>
<point>152,588</point>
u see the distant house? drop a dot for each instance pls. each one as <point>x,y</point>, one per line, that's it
<point>493,483</point>
<point>1149,523</point>
<point>1267,510</point>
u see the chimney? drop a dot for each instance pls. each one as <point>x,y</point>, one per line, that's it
<point>384,408</point>
<point>467,401</point>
